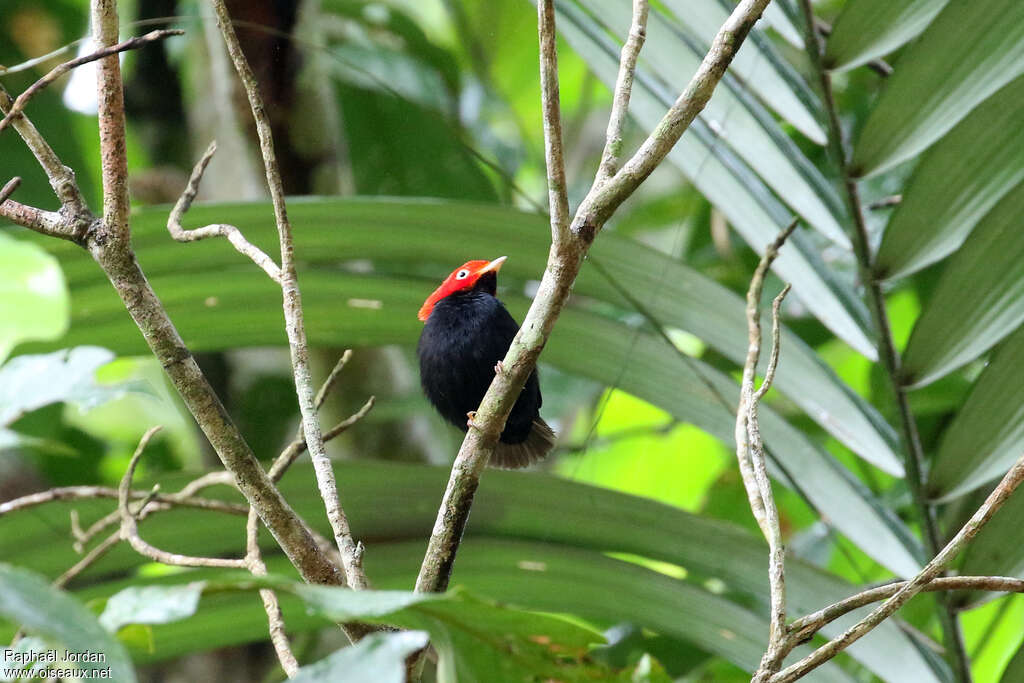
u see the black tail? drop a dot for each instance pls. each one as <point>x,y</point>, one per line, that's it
<point>538,444</point>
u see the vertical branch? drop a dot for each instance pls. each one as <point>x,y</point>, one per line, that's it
<point>751,455</point>
<point>914,461</point>
<point>351,551</point>
<point>623,90</point>
<point>113,151</point>
<point>558,198</point>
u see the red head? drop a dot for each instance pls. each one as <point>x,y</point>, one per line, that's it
<point>462,279</point>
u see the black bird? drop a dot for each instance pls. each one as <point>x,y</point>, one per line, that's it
<point>467,333</point>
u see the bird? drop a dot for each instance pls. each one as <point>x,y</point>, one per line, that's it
<point>466,334</point>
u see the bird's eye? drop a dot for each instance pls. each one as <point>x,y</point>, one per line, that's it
<point>462,274</point>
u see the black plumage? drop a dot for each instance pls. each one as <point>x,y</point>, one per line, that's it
<point>466,334</point>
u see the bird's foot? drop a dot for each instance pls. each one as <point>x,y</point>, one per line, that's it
<point>469,420</point>
<point>499,368</point>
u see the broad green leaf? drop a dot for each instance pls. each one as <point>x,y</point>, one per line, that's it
<point>31,382</point>
<point>33,298</point>
<point>406,234</point>
<point>476,640</point>
<point>978,300</point>
<point>150,605</point>
<point>759,67</point>
<point>1014,670</point>
<point>246,312</point>
<point>956,183</point>
<point>30,601</point>
<point>739,118</point>
<point>969,51</point>
<point>777,18</point>
<point>378,657</point>
<point>869,29</point>
<point>987,434</point>
<point>728,183</point>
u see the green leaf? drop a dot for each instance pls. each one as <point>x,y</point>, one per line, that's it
<point>30,601</point>
<point>987,435</point>
<point>728,183</point>
<point>377,657</point>
<point>403,236</point>
<point>33,297</point>
<point>981,289</point>
<point>547,553</point>
<point>759,67</point>
<point>970,50</point>
<point>869,29</point>
<point>475,640</point>
<point>741,120</point>
<point>31,382</point>
<point>1014,670</point>
<point>150,605</point>
<point>956,183</point>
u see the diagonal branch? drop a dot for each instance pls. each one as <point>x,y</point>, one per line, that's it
<point>60,70</point>
<point>909,589</point>
<point>564,262</point>
<point>351,551</point>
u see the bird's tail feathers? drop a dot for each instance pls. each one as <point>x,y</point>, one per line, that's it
<point>538,444</point>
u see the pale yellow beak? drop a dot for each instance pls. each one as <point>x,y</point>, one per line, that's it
<point>494,265</point>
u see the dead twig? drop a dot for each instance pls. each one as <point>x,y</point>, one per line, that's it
<point>58,71</point>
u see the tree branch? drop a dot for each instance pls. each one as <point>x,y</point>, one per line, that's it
<point>58,71</point>
<point>623,89</point>
<point>130,528</point>
<point>909,589</point>
<point>233,234</point>
<point>563,265</point>
<point>110,96</point>
<point>554,157</point>
<point>62,180</point>
<point>351,552</point>
<point>751,456</point>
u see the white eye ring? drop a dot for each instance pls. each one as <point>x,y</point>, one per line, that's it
<point>462,274</point>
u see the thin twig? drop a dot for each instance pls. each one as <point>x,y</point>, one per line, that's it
<point>57,72</point>
<point>555,286</point>
<point>297,343</point>
<point>742,437</point>
<point>623,89</point>
<point>271,605</point>
<point>233,234</point>
<point>62,180</point>
<point>886,202</point>
<point>130,527</point>
<point>804,628</point>
<point>298,446</point>
<point>750,449</point>
<point>558,199</point>
<point>92,492</point>
<point>914,460</point>
<point>909,589</point>
<point>9,188</point>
